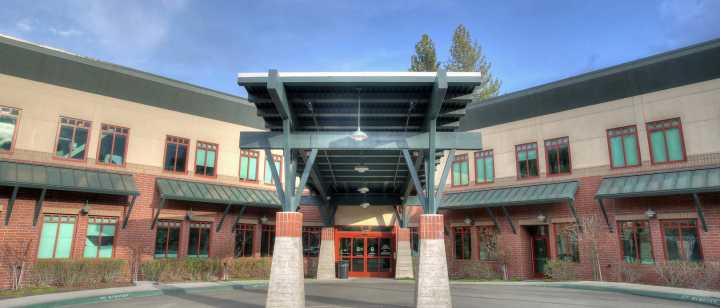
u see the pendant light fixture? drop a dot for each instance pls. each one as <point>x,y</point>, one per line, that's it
<point>359,135</point>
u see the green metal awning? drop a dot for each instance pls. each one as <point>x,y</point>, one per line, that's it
<point>215,193</point>
<point>27,175</point>
<point>508,196</point>
<point>662,183</point>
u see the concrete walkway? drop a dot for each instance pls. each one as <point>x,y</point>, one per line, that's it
<point>382,293</point>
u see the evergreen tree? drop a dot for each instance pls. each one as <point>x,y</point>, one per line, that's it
<point>424,59</point>
<point>466,56</point>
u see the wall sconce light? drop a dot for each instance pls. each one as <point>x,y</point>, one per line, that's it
<point>263,219</point>
<point>85,209</point>
<point>650,213</point>
<point>189,215</point>
<point>542,217</point>
<point>468,220</point>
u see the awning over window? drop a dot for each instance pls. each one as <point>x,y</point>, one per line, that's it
<point>508,196</point>
<point>216,193</point>
<point>661,183</point>
<point>15,174</point>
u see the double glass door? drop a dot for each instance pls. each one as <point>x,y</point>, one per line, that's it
<point>369,255</point>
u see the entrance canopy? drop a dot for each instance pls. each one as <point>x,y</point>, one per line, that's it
<point>400,113</point>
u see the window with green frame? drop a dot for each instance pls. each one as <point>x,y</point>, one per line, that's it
<point>460,170</point>
<point>206,158</point>
<point>268,179</point>
<point>72,139</point>
<point>666,141</point>
<point>484,168</point>
<point>249,165</point>
<point>8,127</point>
<point>527,160</point>
<point>635,242</point>
<point>199,239</point>
<point>487,243</point>
<point>463,245</point>
<point>624,147</point>
<point>100,237</point>
<point>566,236</point>
<point>167,239</point>
<point>57,236</point>
<point>682,242</point>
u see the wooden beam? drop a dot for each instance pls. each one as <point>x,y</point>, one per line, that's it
<point>11,202</point>
<point>698,208</point>
<point>38,206</point>
<point>129,210</point>
<point>157,213</point>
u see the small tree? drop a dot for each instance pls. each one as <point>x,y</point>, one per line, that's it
<point>424,59</point>
<point>16,257</point>
<point>466,56</point>
<point>589,239</point>
<point>503,256</point>
<point>137,249</point>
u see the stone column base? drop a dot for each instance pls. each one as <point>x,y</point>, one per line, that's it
<point>403,262</point>
<point>286,288</point>
<point>433,284</point>
<point>326,259</point>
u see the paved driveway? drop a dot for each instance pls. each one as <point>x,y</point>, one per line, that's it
<point>389,293</point>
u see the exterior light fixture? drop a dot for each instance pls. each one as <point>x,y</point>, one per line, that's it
<point>541,217</point>
<point>468,220</point>
<point>189,215</point>
<point>263,219</point>
<point>363,190</point>
<point>85,209</point>
<point>650,213</point>
<point>365,205</point>
<point>362,168</point>
<point>359,135</point>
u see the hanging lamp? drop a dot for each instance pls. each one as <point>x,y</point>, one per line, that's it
<point>358,135</point>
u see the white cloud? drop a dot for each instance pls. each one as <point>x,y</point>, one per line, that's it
<point>24,25</point>
<point>66,33</point>
<point>690,20</point>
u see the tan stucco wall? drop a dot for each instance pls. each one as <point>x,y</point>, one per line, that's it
<point>371,216</point>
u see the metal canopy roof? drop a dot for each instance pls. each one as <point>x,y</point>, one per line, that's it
<point>508,196</point>
<point>216,193</point>
<point>661,183</point>
<point>27,175</point>
<point>389,102</point>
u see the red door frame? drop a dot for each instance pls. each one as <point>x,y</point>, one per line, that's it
<point>365,235</point>
<point>533,262</point>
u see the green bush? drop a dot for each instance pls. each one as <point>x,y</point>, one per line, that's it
<point>560,270</point>
<point>188,269</point>
<point>696,275</point>
<point>249,268</point>
<point>78,273</point>
<point>476,270</point>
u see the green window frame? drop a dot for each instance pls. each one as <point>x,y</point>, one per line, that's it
<point>460,172</point>
<point>113,145</point>
<point>199,240</point>
<point>206,157</point>
<point>176,154</point>
<point>56,238</point>
<point>682,240</point>
<point>267,240</point>
<point>267,178</point>
<point>244,236</point>
<point>167,239</point>
<point>566,240</point>
<point>557,156</point>
<point>72,139</point>
<point>463,243</point>
<point>249,161</point>
<point>8,127</point>
<point>636,242</point>
<point>666,141</point>
<point>100,237</point>
<point>487,243</point>
<point>623,147</point>
<point>484,167</point>
<point>527,160</point>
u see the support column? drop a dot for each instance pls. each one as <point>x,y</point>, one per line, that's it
<point>403,262</point>
<point>433,284</point>
<point>326,259</point>
<point>286,288</point>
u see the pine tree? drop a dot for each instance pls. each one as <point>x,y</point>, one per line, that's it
<point>424,59</point>
<point>466,56</point>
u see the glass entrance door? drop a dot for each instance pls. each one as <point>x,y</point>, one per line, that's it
<point>369,255</point>
<point>540,250</point>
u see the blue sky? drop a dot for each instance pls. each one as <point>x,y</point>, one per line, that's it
<point>209,42</point>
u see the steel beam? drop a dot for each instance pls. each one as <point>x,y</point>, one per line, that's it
<point>275,175</point>
<point>38,206</point>
<point>11,203</point>
<point>129,210</point>
<point>157,213</point>
<point>415,178</point>
<point>446,171</point>
<point>408,179</point>
<point>304,177</point>
<point>432,204</point>
<point>571,205</point>
<point>222,219</point>
<point>494,219</point>
<point>276,89</point>
<point>239,215</point>
<point>438,95</point>
<point>605,215</point>
<point>509,219</point>
<point>698,208</point>
<point>375,141</point>
<point>374,199</point>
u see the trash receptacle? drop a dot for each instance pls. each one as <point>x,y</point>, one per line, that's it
<point>343,267</point>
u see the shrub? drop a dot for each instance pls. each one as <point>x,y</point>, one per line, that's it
<point>560,270</point>
<point>629,273</point>
<point>188,269</point>
<point>690,274</point>
<point>78,273</point>
<point>476,270</point>
<point>249,268</point>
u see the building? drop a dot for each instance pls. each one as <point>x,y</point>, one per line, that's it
<point>97,160</point>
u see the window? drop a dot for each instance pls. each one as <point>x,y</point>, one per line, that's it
<point>199,239</point>
<point>113,145</point>
<point>277,159</point>
<point>635,242</point>
<point>244,240</point>
<point>311,241</point>
<point>72,139</point>
<point>666,141</point>
<point>484,168</point>
<point>681,240</point>
<point>8,127</point>
<point>206,158</point>
<point>557,152</point>
<point>414,242</point>
<point>624,147</point>
<point>527,163</point>
<point>460,173</point>
<point>267,240</point>
<point>567,242</point>
<point>176,150</point>
<point>100,237</point>
<point>57,237</point>
<point>167,239</point>
<point>487,243</point>
<point>463,248</point>
<point>248,165</point>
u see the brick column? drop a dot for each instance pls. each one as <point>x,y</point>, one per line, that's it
<point>403,251</point>
<point>433,285</point>
<point>286,288</point>
<point>326,259</point>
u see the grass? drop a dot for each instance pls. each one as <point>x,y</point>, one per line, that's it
<point>28,291</point>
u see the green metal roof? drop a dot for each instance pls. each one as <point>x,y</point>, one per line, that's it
<point>67,179</point>
<point>509,196</point>
<point>661,183</point>
<point>216,193</point>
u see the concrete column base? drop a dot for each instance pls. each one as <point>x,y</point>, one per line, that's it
<point>403,262</point>
<point>326,259</point>
<point>286,288</point>
<point>433,284</point>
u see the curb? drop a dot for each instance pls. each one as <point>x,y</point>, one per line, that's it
<point>688,298</point>
<point>166,290</point>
